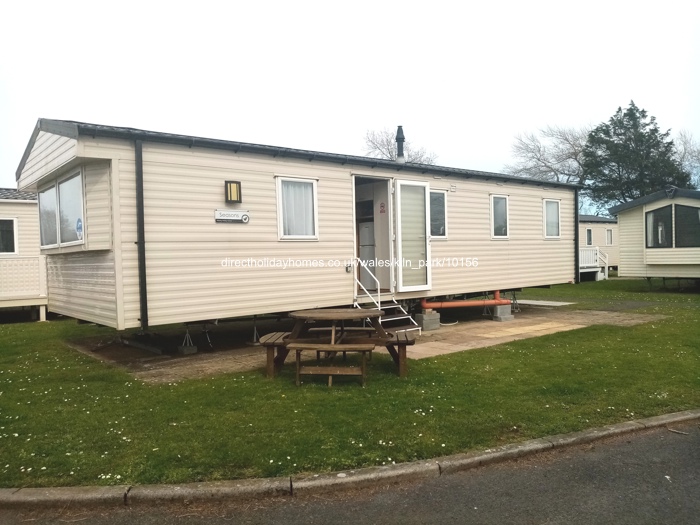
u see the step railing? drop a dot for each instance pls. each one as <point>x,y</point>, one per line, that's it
<point>378,301</point>
<point>593,257</point>
<point>603,262</point>
<point>588,257</point>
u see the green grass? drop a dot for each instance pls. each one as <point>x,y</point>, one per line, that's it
<point>66,419</point>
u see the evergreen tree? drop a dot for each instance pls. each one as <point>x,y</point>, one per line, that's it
<point>628,157</point>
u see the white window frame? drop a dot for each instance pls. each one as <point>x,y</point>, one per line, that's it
<point>280,214</point>
<point>611,241</point>
<point>55,184</point>
<point>444,197</point>
<point>589,237</point>
<point>500,237</point>
<point>16,237</point>
<point>544,216</point>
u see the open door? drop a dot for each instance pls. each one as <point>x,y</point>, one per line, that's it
<point>373,228</point>
<point>412,236</point>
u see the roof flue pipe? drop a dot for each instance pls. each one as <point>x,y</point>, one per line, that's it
<point>399,146</point>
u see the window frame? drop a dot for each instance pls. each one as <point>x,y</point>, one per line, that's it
<point>15,234</point>
<point>671,234</point>
<point>589,236</point>
<point>493,235</point>
<point>611,240</point>
<point>280,179</point>
<point>444,201</point>
<point>544,216</point>
<point>55,185</point>
<point>675,224</point>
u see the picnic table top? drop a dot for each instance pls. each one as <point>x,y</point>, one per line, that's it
<point>336,314</point>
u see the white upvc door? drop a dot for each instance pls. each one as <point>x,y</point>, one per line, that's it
<point>412,235</point>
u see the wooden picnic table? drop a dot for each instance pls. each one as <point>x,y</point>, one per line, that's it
<point>325,330</point>
<point>339,340</point>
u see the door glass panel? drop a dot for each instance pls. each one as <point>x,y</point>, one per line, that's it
<point>413,242</point>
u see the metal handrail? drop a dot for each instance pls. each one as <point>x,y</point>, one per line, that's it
<point>378,302</point>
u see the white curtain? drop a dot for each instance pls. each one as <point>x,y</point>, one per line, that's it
<point>298,208</point>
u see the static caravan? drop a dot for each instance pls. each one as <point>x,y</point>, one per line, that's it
<point>143,228</point>
<point>598,245</point>
<point>660,235</point>
<point>22,267</point>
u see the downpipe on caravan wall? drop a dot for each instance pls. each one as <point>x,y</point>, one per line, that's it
<point>141,235</point>
<point>577,251</point>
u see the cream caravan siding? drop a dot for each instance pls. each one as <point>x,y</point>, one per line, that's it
<point>200,269</point>
<point>672,262</point>
<point>599,234</point>
<point>22,275</point>
<point>638,261</point>
<point>631,227</point>
<point>27,215</point>
<point>82,285</point>
<point>525,259</point>
<point>98,208</point>
<point>48,154</point>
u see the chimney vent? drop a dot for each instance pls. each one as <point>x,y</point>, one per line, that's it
<point>399,145</point>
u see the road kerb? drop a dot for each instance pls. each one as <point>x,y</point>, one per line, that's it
<point>62,496</point>
<point>677,417</point>
<point>459,462</point>
<point>372,476</point>
<point>209,491</point>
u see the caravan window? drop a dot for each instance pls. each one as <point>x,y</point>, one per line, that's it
<point>551,218</point>
<point>608,237</point>
<point>589,237</point>
<point>70,210</point>
<point>47,217</point>
<point>499,216</point>
<point>61,219</point>
<point>438,214</point>
<point>687,226</point>
<point>8,237</point>
<point>659,228</point>
<point>297,209</point>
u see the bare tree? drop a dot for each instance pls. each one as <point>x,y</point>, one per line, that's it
<point>688,155</point>
<point>555,154</point>
<point>382,145</point>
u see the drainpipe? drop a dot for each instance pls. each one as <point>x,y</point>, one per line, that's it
<point>141,235</point>
<point>496,301</point>
<point>577,250</point>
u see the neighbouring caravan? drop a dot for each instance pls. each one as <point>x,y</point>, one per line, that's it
<point>598,245</point>
<point>660,235</point>
<point>143,229</point>
<point>22,267</point>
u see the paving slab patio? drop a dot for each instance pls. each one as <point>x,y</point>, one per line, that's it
<point>231,350</point>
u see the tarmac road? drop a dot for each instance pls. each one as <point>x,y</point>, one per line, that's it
<point>646,477</point>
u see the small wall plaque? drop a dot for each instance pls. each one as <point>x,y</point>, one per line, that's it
<point>232,216</point>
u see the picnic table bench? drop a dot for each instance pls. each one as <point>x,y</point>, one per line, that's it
<point>330,370</point>
<point>275,342</point>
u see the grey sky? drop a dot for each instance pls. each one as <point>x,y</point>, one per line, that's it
<point>462,78</point>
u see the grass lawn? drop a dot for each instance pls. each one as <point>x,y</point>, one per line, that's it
<point>66,419</point>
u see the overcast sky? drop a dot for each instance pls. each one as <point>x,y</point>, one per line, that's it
<point>463,78</point>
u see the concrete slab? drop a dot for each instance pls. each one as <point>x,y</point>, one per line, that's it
<point>460,330</point>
